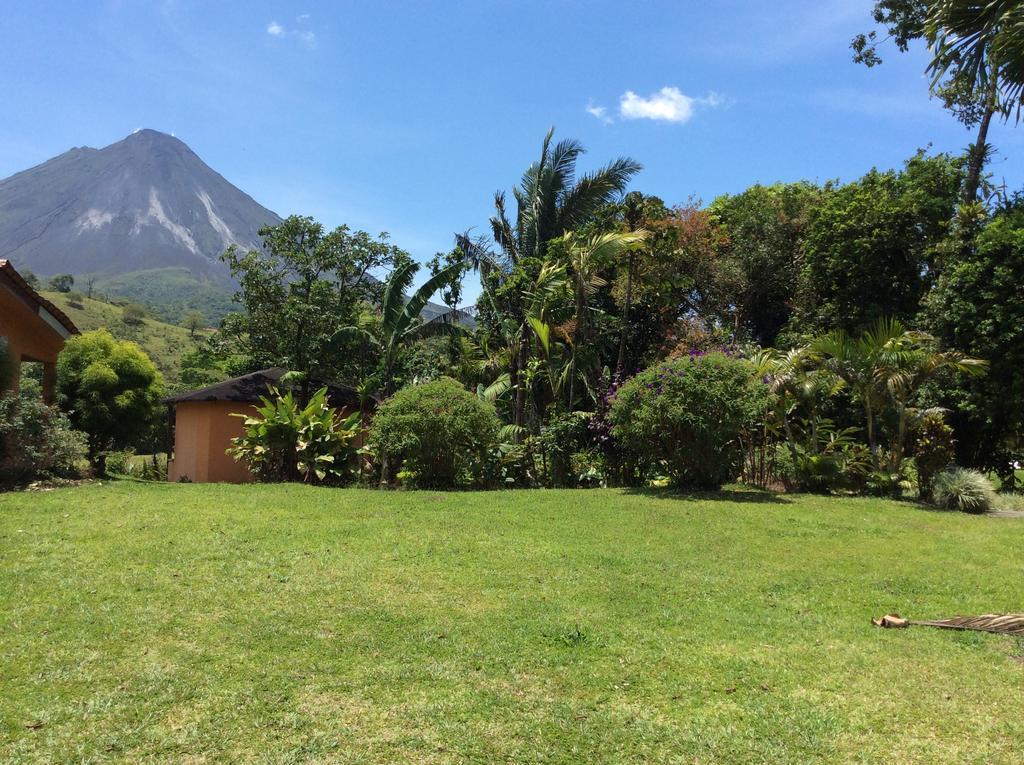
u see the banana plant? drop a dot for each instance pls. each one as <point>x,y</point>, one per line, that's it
<point>398,322</point>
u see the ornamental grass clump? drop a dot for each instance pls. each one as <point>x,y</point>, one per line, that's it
<point>685,418</point>
<point>965,490</point>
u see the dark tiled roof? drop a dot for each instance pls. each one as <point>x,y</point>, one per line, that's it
<point>33,297</point>
<point>250,387</point>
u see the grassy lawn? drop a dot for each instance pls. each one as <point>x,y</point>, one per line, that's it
<point>187,623</point>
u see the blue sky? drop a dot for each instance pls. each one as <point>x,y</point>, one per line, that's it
<point>406,117</point>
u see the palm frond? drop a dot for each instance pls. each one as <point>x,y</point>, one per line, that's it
<point>595,190</point>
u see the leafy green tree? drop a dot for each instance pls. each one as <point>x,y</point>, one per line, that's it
<point>62,283</point>
<point>871,245</point>
<point>110,390</point>
<point>765,228</point>
<point>976,306</point>
<point>299,288</point>
<point>30,278</point>
<point>193,321</point>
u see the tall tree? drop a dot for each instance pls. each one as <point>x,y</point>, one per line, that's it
<point>976,306</point>
<point>871,245</point>
<point>299,288</point>
<point>766,230</point>
<point>977,66</point>
<point>550,201</point>
<point>399,320</point>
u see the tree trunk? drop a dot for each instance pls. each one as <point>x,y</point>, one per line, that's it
<point>872,445</point>
<point>976,152</point>
<point>620,366</point>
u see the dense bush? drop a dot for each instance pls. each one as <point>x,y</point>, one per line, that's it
<point>686,417</point>
<point>965,490</point>
<point>37,442</point>
<point>438,434</point>
<point>286,441</point>
<point>563,436</point>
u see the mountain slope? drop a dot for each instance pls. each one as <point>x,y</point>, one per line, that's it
<point>144,202</point>
<point>164,343</point>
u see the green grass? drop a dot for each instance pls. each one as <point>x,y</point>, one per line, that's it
<point>188,623</point>
<point>163,343</point>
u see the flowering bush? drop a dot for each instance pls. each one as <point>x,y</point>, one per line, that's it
<point>685,417</point>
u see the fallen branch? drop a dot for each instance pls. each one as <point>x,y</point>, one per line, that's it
<point>1002,624</point>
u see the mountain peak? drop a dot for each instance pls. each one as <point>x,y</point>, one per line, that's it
<point>147,201</point>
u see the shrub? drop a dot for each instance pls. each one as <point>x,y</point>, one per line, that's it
<point>286,441</point>
<point>120,462</point>
<point>111,390</point>
<point>686,417</point>
<point>965,490</point>
<point>564,434</point>
<point>438,433</point>
<point>934,450</point>
<point>133,313</point>
<point>37,442</point>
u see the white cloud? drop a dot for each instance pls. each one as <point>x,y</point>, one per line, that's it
<point>668,105</point>
<point>306,37</point>
<point>600,112</point>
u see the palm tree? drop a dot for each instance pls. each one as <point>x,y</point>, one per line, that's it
<point>399,322</point>
<point>886,365</point>
<point>633,212</point>
<point>587,257</point>
<point>550,201</point>
<point>796,379</point>
<point>981,45</point>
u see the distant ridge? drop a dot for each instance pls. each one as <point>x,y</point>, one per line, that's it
<point>145,202</point>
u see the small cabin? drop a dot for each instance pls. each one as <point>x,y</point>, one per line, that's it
<point>202,424</point>
<point>32,328</point>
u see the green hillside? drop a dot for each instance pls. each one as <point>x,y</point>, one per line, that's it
<point>165,343</point>
<point>168,292</point>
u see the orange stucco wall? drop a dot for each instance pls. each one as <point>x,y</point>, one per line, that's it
<point>202,434</point>
<point>29,337</point>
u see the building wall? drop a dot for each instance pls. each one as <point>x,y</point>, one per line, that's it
<point>202,434</point>
<point>29,336</point>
